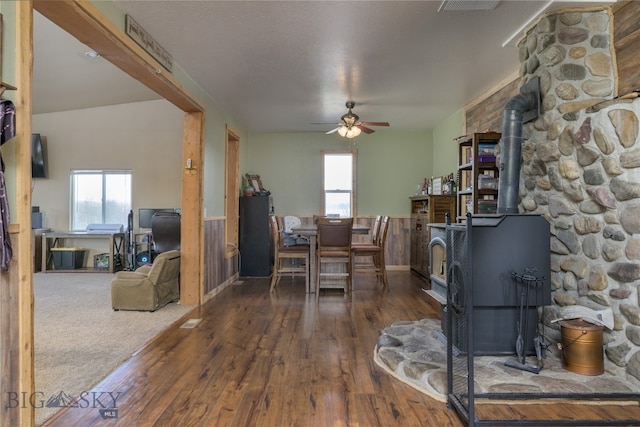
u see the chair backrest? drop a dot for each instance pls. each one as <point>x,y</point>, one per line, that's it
<point>286,224</point>
<point>165,228</point>
<point>382,234</point>
<point>375,231</point>
<point>335,233</point>
<point>289,222</point>
<point>276,238</point>
<point>166,266</point>
<point>317,217</point>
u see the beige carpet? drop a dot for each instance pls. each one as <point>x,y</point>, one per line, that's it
<point>79,339</point>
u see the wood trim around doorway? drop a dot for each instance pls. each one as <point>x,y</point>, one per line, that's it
<point>231,191</point>
<point>84,21</point>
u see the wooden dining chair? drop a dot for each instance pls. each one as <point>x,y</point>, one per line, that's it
<point>334,250</point>
<point>374,234</point>
<point>317,217</point>
<point>285,257</point>
<point>375,252</point>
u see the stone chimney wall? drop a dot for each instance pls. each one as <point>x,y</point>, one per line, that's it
<point>581,170</point>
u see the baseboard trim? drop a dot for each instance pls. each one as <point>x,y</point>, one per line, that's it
<point>220,288</point>
<point>398,268</point>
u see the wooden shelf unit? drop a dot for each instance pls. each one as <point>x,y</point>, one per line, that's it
<point>476,160</point>
<point>426,210</point>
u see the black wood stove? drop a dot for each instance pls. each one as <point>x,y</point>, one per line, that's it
<point>485,275</point>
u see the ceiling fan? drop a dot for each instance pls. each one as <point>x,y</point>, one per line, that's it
<point>351,125</point>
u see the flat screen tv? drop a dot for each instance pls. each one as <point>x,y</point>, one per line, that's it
<point>38,163</point>
<point>145,214</point>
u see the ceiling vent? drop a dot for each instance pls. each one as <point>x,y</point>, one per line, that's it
<point>466,5</point>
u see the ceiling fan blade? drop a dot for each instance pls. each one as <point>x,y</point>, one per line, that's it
<point>365,129</point>
<point>333,130</point>
<point>375,123</point>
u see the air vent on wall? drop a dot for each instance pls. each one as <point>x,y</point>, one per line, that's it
<point>466,5</point>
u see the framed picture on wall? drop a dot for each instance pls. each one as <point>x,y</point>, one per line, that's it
<point>254,181</point>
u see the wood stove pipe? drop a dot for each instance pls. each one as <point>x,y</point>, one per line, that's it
<point>520,109</point>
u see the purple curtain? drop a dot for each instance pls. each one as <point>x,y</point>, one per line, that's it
<point>7,131</point>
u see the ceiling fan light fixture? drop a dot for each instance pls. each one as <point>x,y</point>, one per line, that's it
<point>350,119</point>
<point>351,126</point>
<point>349,131</point>
<point>353,132</point>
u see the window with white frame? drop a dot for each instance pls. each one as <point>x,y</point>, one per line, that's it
<point>339,183</point>
<point>100,197</point>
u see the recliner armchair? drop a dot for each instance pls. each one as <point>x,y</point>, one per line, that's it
<point>150,287</point>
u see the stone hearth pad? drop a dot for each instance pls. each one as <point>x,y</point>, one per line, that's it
<point>415,353</point>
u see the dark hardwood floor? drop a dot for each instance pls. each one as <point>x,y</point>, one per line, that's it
<point>275,359</point>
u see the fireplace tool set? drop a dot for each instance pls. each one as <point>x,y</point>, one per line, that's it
<point>527,281</point>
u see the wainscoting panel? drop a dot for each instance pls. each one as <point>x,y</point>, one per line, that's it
<point>218,269</point>
<point>398,238</point>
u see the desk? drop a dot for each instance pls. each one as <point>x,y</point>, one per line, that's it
<point>53,240</point>
<point>311,231</point>
<point>37,247</point>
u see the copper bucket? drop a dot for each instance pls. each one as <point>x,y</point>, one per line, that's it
<point>582,348</point>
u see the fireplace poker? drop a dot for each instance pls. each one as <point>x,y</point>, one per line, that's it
<point>520,362</point>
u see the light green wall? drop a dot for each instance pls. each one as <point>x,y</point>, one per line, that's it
<point>390,166</point>
<point>445,158</point>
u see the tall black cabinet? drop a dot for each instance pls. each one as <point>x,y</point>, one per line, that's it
<point>255,239</point>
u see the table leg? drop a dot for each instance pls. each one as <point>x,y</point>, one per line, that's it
<point>312,264</point>
<point>46,253</point>
<point>118,243</point>
<point>111,253</point>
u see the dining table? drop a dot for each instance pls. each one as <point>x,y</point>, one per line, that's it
<point>311,232</point>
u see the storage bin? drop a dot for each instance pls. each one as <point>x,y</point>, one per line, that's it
<point>101,261</point>
<point>487,182</point>
<point>487,158</point>
<point>67,258</point>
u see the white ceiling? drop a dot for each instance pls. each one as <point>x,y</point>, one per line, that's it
<point>284,66</point>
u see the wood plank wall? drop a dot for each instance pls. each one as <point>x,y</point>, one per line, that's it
<point>398,238</point>
<point>487,114</point>
<point>9,340</point>
<point>218,269</point>
<point>626,42</point>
